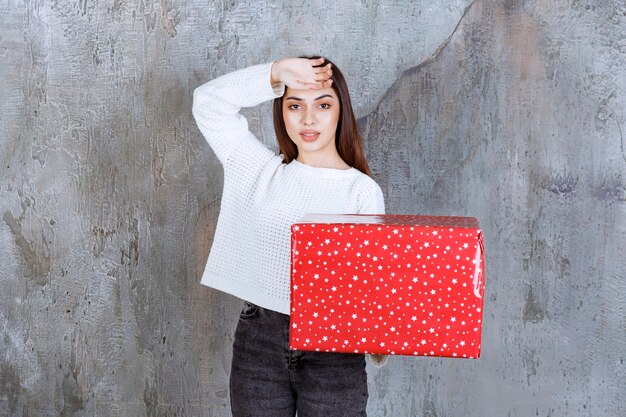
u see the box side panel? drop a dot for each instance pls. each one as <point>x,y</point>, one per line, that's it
<point>374,289</point>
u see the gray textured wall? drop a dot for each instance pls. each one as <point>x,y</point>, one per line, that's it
<point>509,111</point>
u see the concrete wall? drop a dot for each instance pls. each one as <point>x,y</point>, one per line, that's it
<point>510,111</point>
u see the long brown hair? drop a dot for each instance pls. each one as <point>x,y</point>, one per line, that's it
<point>347,137</point>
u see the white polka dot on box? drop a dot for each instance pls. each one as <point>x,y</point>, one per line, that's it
<point>388,284</point>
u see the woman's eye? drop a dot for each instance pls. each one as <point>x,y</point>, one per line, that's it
<point>294,106</point>
<point>325,106</point>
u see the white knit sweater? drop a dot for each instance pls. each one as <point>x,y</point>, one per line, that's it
<point>262,197</point>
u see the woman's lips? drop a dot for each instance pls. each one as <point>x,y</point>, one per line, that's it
<point>309,135</point>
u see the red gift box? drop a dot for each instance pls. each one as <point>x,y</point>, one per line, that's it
<point>387,284</point>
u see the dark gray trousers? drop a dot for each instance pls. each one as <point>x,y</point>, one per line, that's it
<point>269,380</point>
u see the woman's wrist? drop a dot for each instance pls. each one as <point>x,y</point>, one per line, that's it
<point>274,79</point>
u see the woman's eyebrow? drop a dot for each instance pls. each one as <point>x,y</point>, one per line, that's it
<point>318,98</point>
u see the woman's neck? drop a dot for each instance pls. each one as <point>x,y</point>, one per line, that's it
<point>323,161</point>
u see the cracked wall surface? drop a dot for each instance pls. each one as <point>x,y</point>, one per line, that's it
<point>510,111</point>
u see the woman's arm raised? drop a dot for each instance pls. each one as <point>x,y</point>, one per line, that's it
<point>216,107</point>
<point>216,104</point>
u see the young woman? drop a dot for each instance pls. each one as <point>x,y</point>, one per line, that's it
<point>321,169</point>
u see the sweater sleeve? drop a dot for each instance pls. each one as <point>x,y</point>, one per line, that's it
<point>370,198</point>
<point>216,107</point>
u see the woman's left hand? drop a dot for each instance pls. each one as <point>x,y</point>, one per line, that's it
<point>302,73</point>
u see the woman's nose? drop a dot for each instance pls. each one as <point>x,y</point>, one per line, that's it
<point>308,117</point>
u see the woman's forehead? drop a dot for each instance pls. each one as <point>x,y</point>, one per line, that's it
<point>309,95</point>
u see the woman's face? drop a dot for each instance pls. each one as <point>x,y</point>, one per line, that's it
<point>311,118</point>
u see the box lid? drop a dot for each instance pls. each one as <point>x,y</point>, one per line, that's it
<point>393,219</point>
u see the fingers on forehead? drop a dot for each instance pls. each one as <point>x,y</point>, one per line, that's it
<point>323,68</point>
<point>319,62</point>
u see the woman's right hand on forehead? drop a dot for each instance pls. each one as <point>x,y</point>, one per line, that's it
<point>302,73</point>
